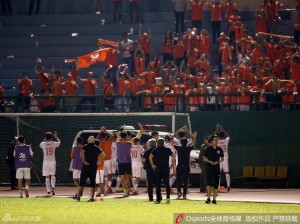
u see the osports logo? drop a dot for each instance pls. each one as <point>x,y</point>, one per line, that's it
<point>179,218</point>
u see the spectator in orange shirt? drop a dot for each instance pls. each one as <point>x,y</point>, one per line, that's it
<point>216,18</point>
<point>25,85</point>
<point>244,98</point>
<point>204,40</point>
<point>295,67</point>
<point>42,75</point>
<point>258,96</point>
<point>155,65</point>
<point>197,13</point>
<point>178,50</point>
<point>158,88</point>
<point>108,91</point>
<point>145,43</point>
<point>261,24</point>
<point>168,45</point>
<point>123,88</point>
<point>69,87</point>
<point>134,7</point>
<point>90,87</point>
<point>145,98</point>
<point>147,78</point>
<point>57,89</point>
<point>139,60</point>
<point>192,103</point>
<point>230,6</point>
<point>111,65</point>
<point>233,19</point>
<point>226,54</point>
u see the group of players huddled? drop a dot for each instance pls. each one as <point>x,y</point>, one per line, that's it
<point>166,159</point>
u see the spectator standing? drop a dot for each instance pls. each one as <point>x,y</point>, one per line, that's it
<point>179,11</point>
<point>126,47</point>
<point>134,7</point>
<point>197,13</point>
<point>69,91</point>
<point>90,88</point>
<point>145,43</point>
<point>25,85</point>
<point>216,18</point>
<point>11,162</point>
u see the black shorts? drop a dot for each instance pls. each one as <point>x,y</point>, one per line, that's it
<point>212,180</point>
<point>88,172</point>
<point>124,168</point>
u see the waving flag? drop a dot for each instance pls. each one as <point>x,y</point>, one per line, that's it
<point>94,57</point>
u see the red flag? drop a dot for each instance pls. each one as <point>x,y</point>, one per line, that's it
<point>87,60</point>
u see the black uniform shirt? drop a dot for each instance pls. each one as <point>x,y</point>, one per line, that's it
<point>213,155</point>
<point>91,152</point>
<point>161,157</point>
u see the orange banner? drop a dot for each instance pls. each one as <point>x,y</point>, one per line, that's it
<point>108,43</point>
<point>94,57</point>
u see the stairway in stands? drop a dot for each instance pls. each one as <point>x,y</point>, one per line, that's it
<point>50,38</point>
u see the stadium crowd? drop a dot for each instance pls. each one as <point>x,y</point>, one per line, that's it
<point>258,72</point>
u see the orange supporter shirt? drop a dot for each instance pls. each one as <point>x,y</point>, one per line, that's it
<point>155,67</point>
<point>204,44</point>
<point>149,79</point>
<point>70,87</point>
<point>74,74</point>
<point>204,65</point>
<point>145,44</point>
<point>123,86</point>
<point>295,71</point>
<point>135,85</point>
<point>101,166</point>
<point>261,25</point>
<point>89,88</point>
<point>216,12</point>
<point>272,51</point>
<point>178,50</point>
<point>108,90</point>
<point>139,65</point>
<point>43,79</point>
<point>57,88</point>
<point>25,88</point>
<point>256,54</point>
<point>197,11</point>
<point>230,6</point>
<point>226,53</point>
<point>105,146</point>
<point>168,46</point>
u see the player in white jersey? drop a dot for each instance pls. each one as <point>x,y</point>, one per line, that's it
<point>169,144</point>
<point>136,152</point>
<point>183,132</point>
<point>49,162</point>
<point>223,143</point>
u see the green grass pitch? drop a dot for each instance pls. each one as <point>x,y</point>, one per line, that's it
<point>118,210</point>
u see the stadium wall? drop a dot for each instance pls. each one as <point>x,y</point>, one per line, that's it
<point>256,139</point>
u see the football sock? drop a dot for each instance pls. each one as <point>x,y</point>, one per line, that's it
<point>228,179</point>
<point>48,184</point>
<point>53,180</point>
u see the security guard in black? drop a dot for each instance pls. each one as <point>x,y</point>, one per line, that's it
<point>213,155</point>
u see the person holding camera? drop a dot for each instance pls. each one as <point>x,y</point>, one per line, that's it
<point>126,47</point>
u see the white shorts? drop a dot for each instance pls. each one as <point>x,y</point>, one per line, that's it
<point>76,174</point>
<point>49,168</point>
<point>224,166</point>
<point>107,167</point>
<point>23,172</point>
<point>136,171</point>
<point>114,166</point>
<point>100,177</point>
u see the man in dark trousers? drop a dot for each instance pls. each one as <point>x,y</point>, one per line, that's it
<point>159,160</point>
<point>31,6</point>
<point>213,156</point>
<point>89,155</point>
<point>11,162</point>
<point>183,167</point>
<point>148,168</point>
<point>202,164</point>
